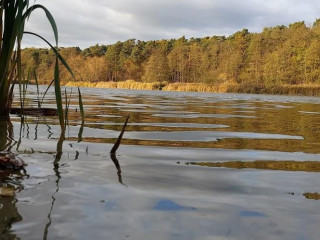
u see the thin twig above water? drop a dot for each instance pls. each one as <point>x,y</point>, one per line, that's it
<point>117,143</point>
<point>114,150</point>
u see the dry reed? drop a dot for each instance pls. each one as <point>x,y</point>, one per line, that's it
<point>307,166</point>
<point>307,90</point>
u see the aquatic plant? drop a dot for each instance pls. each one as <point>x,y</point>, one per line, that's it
<point>128,84</point>
<point>13,17</point>
<point>284,89</point>
<point>314,196</point>
<point>306,166</point>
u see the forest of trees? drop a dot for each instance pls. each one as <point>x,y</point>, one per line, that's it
<point>278,55</point>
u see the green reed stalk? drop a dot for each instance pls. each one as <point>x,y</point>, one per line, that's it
<point>37,84</point>
<point>13,16</point>
<point>81,106</point>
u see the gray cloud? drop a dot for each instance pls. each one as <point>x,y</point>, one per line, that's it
<point>84,23</point>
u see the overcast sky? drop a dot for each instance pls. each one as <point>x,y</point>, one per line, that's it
<point>84,23</point>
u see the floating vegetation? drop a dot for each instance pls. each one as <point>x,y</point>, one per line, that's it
<point>307,166</point>
<point>314,196</point>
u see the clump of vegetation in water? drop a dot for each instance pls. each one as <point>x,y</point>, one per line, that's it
<point>13,17</point>
<point>314,196</point>
<point>306,166</point>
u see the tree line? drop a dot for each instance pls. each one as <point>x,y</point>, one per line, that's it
<point>277,55</point>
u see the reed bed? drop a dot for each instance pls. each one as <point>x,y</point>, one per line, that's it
<point>306,89</point>
<point>81,84</point>
<point>193,87</point>
<point>129,84</point>
<point>286,89</point>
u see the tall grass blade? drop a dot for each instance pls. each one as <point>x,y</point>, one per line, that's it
<point>37,85</point>
<point>49,17</point>
<point>19,74</point>
<point>11,96</point>
<point>56,52</point>
<point>45,93</point>
<point>13,79</point>
<point>80,132</point>
<point>57,79</point>
<point>67,106</point>
<point>66,109</point>
<point>8,42</point>
<point>58,94</point>
<point>81,105</point>
<point>24,89</point>
<point>82,116</point>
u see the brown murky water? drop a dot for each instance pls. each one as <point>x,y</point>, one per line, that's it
<point>193,166</point>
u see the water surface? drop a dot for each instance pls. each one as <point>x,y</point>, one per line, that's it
<point>193,166</point>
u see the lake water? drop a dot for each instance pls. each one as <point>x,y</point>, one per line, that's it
<point>193,166</point>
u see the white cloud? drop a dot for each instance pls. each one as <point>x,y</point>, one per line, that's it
<point>84,23</point>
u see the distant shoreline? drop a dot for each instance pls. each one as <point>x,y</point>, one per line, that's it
<point>302,90</point>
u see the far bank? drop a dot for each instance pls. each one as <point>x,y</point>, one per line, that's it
<point>302,89</point>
